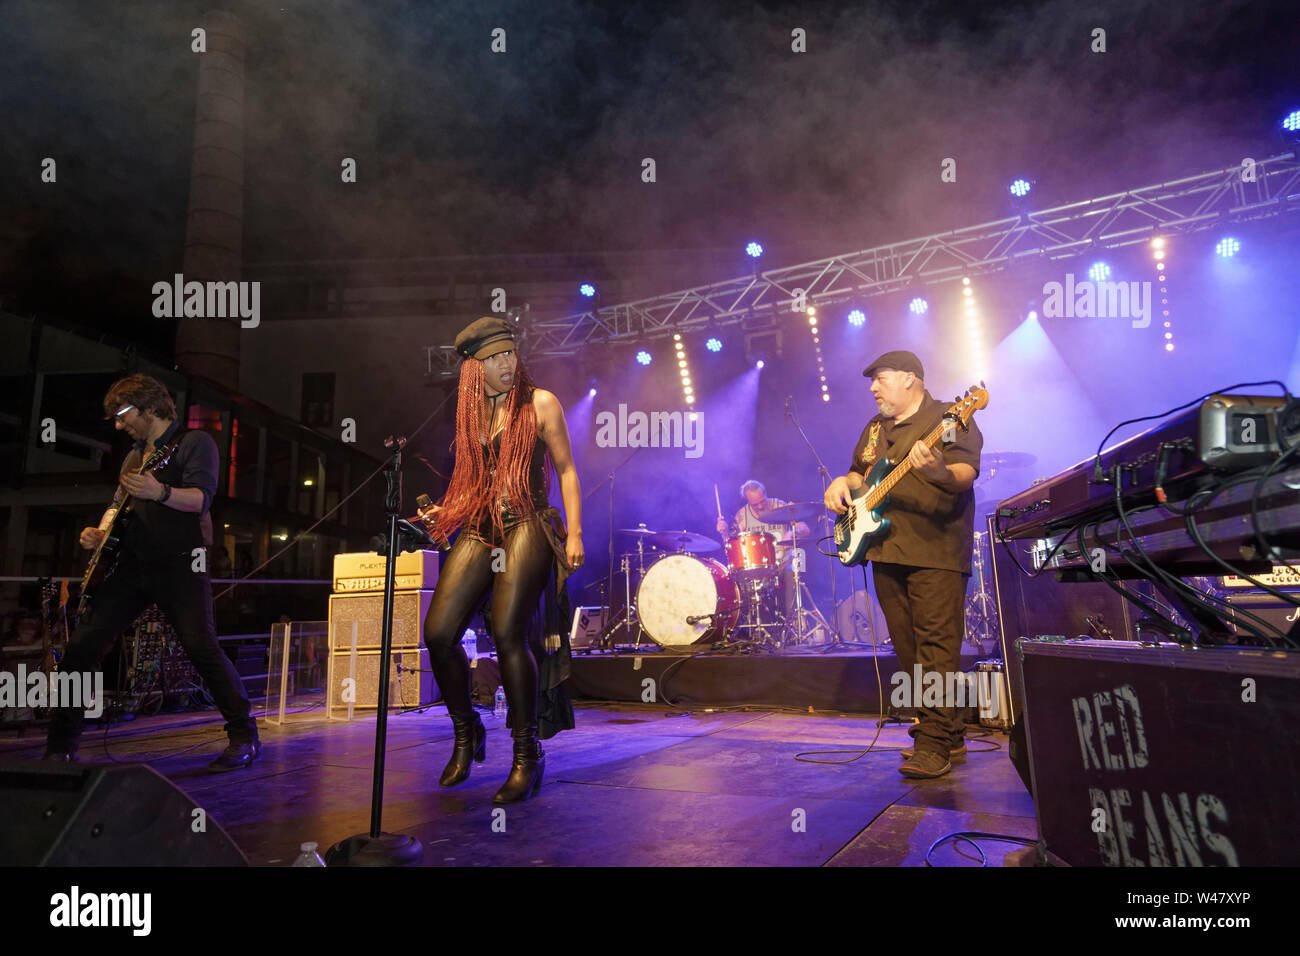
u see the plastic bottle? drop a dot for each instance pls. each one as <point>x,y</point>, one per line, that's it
<point>499,706</point>
<point>470,643</point>
<point>308,856</point>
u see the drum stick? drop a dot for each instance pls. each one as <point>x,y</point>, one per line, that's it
<point>716,499</point>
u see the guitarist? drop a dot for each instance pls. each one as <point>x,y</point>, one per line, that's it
<point>922,568</point>
<point>169,519</point>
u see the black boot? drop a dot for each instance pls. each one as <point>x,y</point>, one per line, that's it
<point>526,774</point>
<point>471,742</point>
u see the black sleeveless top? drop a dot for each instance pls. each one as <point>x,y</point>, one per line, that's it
<point>536,487</point>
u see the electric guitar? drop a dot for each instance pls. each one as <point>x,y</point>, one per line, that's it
<point>104,559</point>
<point>862,527</point>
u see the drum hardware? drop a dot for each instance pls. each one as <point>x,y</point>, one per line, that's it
<point>982,625</point>
<point>805,621</point>
<point>627,615</point>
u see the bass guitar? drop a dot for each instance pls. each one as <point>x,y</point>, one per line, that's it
<point>104,559</point>
<point>862,527</point>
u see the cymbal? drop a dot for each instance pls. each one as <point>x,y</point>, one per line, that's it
<point>645,531</point>
<point>795,511</point>
<point>684,541</point>
<point>1006,459</point>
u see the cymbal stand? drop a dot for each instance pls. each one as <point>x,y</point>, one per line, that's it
<point>792,417</point>
<point>800,626</point>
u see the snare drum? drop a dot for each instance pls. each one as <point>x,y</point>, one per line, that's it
<point>679,586</point>
<point>752,554</point>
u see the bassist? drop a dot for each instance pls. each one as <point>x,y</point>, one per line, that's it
<point>164,525</point>
<point>922,567</point>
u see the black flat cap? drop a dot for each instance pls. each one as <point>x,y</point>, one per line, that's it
<point>899,360</point>
<point>485,337</point>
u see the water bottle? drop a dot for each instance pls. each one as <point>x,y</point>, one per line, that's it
<point>470,643</point>
<point>499,706</point>
<point>308,856</point>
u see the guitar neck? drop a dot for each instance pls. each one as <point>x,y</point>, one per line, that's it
<point>873,498</point>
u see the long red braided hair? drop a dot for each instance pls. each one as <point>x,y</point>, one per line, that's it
<point>480,479</point>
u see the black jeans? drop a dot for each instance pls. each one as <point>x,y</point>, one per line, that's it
<point>185,597</point>
<point>925,610</point>
<point>464,579</point>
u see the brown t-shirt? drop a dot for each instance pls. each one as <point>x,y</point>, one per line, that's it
<point>930,527</point>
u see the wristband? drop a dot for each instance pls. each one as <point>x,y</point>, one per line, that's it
<point>166,493</point>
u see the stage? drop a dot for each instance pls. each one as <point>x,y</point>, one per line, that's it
<point>632,785</point>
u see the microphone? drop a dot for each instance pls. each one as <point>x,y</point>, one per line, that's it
<point>696,618</point>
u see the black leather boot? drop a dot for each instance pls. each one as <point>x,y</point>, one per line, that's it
<point>526,773</point>
<point>470,743</point>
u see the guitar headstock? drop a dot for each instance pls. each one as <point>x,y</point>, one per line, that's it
<point>965,406</point>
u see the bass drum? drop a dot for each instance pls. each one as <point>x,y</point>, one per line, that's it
<point>680,586</point>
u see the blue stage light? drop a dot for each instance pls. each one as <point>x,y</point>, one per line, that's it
<point>754,250</point>
<point>857,318</point>
<point>1020,188</point>
<point>713,345</point>
<point>1099,272</point>
<point>918,306</point>
<point>587,289</point>
<point>1291,122</point>
<point>643,357</point>
<point>1227,247</point>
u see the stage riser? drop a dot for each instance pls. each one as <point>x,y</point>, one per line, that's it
<point>842,683</point>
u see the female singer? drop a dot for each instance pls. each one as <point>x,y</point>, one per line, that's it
<point>511,542</point>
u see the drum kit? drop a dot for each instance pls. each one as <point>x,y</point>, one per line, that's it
<point>678,597</point>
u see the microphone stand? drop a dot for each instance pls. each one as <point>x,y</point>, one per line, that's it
<point>608,630</point>
<point>377,848</point>
<point>792,416</point>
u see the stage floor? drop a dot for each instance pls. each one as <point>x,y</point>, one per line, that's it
<point>632,785</point>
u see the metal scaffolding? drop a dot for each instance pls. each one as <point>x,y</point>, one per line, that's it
<point>1184,206</point>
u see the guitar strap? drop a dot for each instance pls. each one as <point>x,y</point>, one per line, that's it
<point>871,452</point>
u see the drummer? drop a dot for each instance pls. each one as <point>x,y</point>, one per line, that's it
<point>750,518</point>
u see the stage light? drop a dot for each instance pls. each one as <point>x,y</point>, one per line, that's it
<point>1099,272</point>
<point>307,482</point>
<point>1032,316</point>
<point>643,357</point>
<point>753,250</point>
<point>1227,247</point>
<point>918,306</point>
<point>1020,188</point>
<point>591,394</point>
<point>857,319</point>
<point>1158,242</point>
<point>1169,346</point>
<point>713,345</point>
<point>965,280</point>
<point>587,289</point>
<point>1291,122</point>
<point>967,291</point>
<point>758,364</point>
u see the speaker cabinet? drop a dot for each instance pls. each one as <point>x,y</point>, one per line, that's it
<point>111,815</point>
<point>354,681</point>
<point>360,616</point>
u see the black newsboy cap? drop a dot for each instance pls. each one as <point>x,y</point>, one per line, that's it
<point>900,360</point>
<point>485,337</point>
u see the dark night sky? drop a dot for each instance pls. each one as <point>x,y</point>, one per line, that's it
<point>539,149</point>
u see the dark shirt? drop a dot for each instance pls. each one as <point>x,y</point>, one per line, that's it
<point>482,523</point>
<point>156,530</point>
<point>929,527</point>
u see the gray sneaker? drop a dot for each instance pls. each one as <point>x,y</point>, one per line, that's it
<point>925,764</point>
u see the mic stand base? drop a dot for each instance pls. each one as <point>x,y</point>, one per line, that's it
<point>387,849</point>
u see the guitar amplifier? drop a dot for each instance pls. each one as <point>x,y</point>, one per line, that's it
<point>360,617</point>
<point>1282,614</point>
<point>1162,754</point>
<point>364,571</point>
